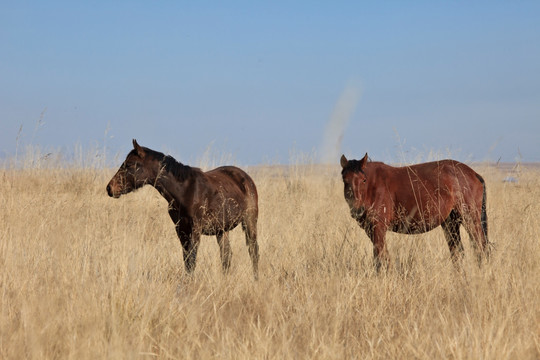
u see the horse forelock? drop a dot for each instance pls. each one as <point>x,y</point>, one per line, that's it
<point>354,166</point>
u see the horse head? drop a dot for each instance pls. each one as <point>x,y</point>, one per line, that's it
<point>355,182</point>
<point>134,173</point>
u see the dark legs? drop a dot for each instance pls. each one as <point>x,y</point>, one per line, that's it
<point>453,238</point>
<point>190,245</point>
<point>377,235</point>
<point>478,236</point>
<point>474,227</point>
<point>224,250</point>
<point>189,239</point>
<point>250,228</point>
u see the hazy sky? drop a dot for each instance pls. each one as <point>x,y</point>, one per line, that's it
<point>258,81</point>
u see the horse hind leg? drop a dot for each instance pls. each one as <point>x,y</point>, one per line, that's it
<point>249,224</point>
<point>453,238</point>
<point>474,226</point>
<point>225,251</point>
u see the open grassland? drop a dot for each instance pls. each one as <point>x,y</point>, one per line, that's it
<point>84,276</point>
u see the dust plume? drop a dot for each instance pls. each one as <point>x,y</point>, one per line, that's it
<point>335,129</point>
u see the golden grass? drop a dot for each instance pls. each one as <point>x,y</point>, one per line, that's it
<point>85,276</point>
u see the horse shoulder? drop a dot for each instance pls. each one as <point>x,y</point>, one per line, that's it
<point>382,191</point>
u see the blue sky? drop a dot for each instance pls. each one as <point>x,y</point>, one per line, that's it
<point>258,81</point>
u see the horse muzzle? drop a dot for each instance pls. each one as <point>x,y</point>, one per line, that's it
<point>113,194</point>
<point>357,213</point>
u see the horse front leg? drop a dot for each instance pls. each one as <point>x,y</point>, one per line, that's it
<point>190,245</point>
<point>188,239</point>
<point>189,249</point>
<point>224,250</point>
<point>377,234</point>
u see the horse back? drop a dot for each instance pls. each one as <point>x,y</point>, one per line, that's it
<point>443,179</point>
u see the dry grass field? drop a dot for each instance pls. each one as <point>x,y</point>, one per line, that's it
<point>85,276</point>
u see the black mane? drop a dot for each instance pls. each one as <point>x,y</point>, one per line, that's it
<point>177,169</point>
<point>173,167</point>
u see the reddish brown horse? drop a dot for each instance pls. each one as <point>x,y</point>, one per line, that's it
<point>207,203</point>
<point>415,199</point>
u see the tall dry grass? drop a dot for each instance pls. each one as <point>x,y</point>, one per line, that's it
<point>85,276</point>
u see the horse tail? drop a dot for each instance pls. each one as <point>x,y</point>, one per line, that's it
<point>483,218</point>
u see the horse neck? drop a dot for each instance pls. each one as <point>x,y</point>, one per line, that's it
<point>371,168</point>
<point>377,172</point>
<point>164,186</point>
<point>172,185</point>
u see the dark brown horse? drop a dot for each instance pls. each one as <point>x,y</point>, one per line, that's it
<point>200,203</point>
<point>415,199</point>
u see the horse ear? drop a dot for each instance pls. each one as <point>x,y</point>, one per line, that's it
<point>344,161</point>
<point>364,161</point>
<point>140,150</point>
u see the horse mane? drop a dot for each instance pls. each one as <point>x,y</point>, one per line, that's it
<point>175,168</point>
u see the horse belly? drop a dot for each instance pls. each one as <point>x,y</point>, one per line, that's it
<point>412,228</point>
<point>213,228</point>
<point>225,219</point>
<point>406,223</point>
